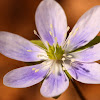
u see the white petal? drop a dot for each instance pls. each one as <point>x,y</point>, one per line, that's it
<point>19,48</point>
<point>51,17</point>
<point>90,54</point>
<point>55,83</point>
<point>84,72</point>
<point>26,76</point>
<point>88,27</point>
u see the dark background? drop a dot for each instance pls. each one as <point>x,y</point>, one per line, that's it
<point>17,16</point>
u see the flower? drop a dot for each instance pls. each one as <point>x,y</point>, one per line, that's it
<point>51,24</point>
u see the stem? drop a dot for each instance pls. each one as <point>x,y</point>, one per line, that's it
<point>78,90</point>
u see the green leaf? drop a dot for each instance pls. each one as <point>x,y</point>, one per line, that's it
<point>91,43</point>
<point>33,63</point>
<point>39,43</point>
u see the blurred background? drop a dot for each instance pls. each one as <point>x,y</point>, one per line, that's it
<point>17,16</point>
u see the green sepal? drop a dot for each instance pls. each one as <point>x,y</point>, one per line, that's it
<point>57,97</point>
<point>38,43</point>
<point>91,43</point>
<point>55,55</point>
<point>33,63</point>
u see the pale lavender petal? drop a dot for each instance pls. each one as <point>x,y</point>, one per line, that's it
<point>26,76</point>
<point>55,83</point>
<point>88,27</point>
<point>51,17</point>
<point>84,72</point>
<point>90,54</point>
<point>18,48</point>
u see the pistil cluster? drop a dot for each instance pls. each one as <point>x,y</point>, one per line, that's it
<point>55,53</point>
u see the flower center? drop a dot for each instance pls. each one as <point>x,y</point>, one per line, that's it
<point>55,52</point>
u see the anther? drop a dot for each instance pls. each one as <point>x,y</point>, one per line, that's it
<point>71,33</point>
<point>50,33</point>
<point>33,68</point>
<point>63,68</point>
<point>44,63</point>
<point>68,28</point>
<point>29,50</point>
<point>69,56</point>
<point>51,26</point>
<point>67,31</point>
<point>64,55</point>
<point>42,56</point>
<point>72,60</point>
<point>55,40</point>
<point>39,56</point>
<point>47,42</point>
<point>35,32</point>
<point>68,42</point>
<point>75,31</point>
<point>63,59</point>
<point>36,70</point>
<point>65,35</point>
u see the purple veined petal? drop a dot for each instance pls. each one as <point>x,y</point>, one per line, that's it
<point>84,72</point>
<point>27,76</point>
<point>87,27</point>
<point>50,17</point>
<point>90,54</point>
<point>55,83</point>
<point>19,48</point>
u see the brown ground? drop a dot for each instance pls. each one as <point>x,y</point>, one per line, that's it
<point>17,16</point>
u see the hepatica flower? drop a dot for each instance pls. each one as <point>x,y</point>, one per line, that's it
<point>52,26</point>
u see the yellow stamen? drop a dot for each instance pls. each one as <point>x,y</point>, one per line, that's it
<point>63,68</point>
<point>63,59</point>
<point>75,32</point>
<point>36,70</point>
<point>39,56</point>
<point>35,32</point>
<point>29,50</point>
<point>44,63</point>
<point>51,26</point>
<point>71,33</point>
<point>69,56</point>
<point>65,34</point>
<point>33,68</point>
<point>64,55</point>
<point>68,28</point>
<point>68,42</point>
<point>47,42</point>
<point>50,33</point>
<point>72,60</point>
<point>67,31</point>
<point>55,39</point>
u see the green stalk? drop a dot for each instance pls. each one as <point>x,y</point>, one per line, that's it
<point>78,90</point>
